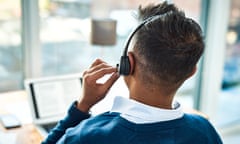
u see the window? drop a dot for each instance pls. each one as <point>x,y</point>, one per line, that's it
<point>230,95</point>
<point>11,70</point>
<point>65,32</point>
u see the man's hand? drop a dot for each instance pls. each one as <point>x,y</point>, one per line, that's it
<point>93,92</point>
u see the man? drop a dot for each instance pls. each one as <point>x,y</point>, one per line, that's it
<point>164,51</point>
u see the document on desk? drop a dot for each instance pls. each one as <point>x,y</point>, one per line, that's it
<point>55,97</point>
<point>8,138</point>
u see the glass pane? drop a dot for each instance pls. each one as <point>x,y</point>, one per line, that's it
<point>65,32</point>
<point>11,71</point>
<point>228,111</point>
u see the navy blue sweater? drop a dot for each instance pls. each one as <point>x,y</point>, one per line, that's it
<point>111,128</point>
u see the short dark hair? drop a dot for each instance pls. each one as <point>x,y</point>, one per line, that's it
<point>167,48</point>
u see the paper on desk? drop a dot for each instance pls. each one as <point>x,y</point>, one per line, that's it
<point>8,138</point>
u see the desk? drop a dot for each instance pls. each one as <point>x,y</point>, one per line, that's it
<point>16,103</point>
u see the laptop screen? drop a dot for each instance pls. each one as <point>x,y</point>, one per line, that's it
<point>50,98</point>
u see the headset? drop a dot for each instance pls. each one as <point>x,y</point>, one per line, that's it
<point>124,68</point>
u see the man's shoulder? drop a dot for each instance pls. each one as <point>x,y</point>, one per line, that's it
<point>197,119</point>
<point>197,122</point>
<point>100,121</point>
<point>106,116</point>
<point>103,127</point>
<point>202,127</point>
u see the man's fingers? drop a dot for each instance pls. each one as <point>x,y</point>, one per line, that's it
<point>94,76</point>
<point>97,67</point>
<point>98,70</point>
<point>97,62</point>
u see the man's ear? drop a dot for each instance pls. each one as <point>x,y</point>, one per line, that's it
<point>131,61</point>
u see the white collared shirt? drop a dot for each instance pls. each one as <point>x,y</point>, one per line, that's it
<point>140,113</point>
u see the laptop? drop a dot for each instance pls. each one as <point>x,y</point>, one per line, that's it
<point>50,97</point>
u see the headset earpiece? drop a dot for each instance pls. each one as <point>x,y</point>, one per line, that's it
<point>124,67</point>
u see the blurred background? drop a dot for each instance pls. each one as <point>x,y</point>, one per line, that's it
<point>52,37</point>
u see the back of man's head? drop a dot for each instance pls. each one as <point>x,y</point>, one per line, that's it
<point>168,47</point>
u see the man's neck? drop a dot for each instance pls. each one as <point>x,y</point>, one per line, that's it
<point>150,95</point>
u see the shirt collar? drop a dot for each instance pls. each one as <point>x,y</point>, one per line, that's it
<point>141,113</point>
